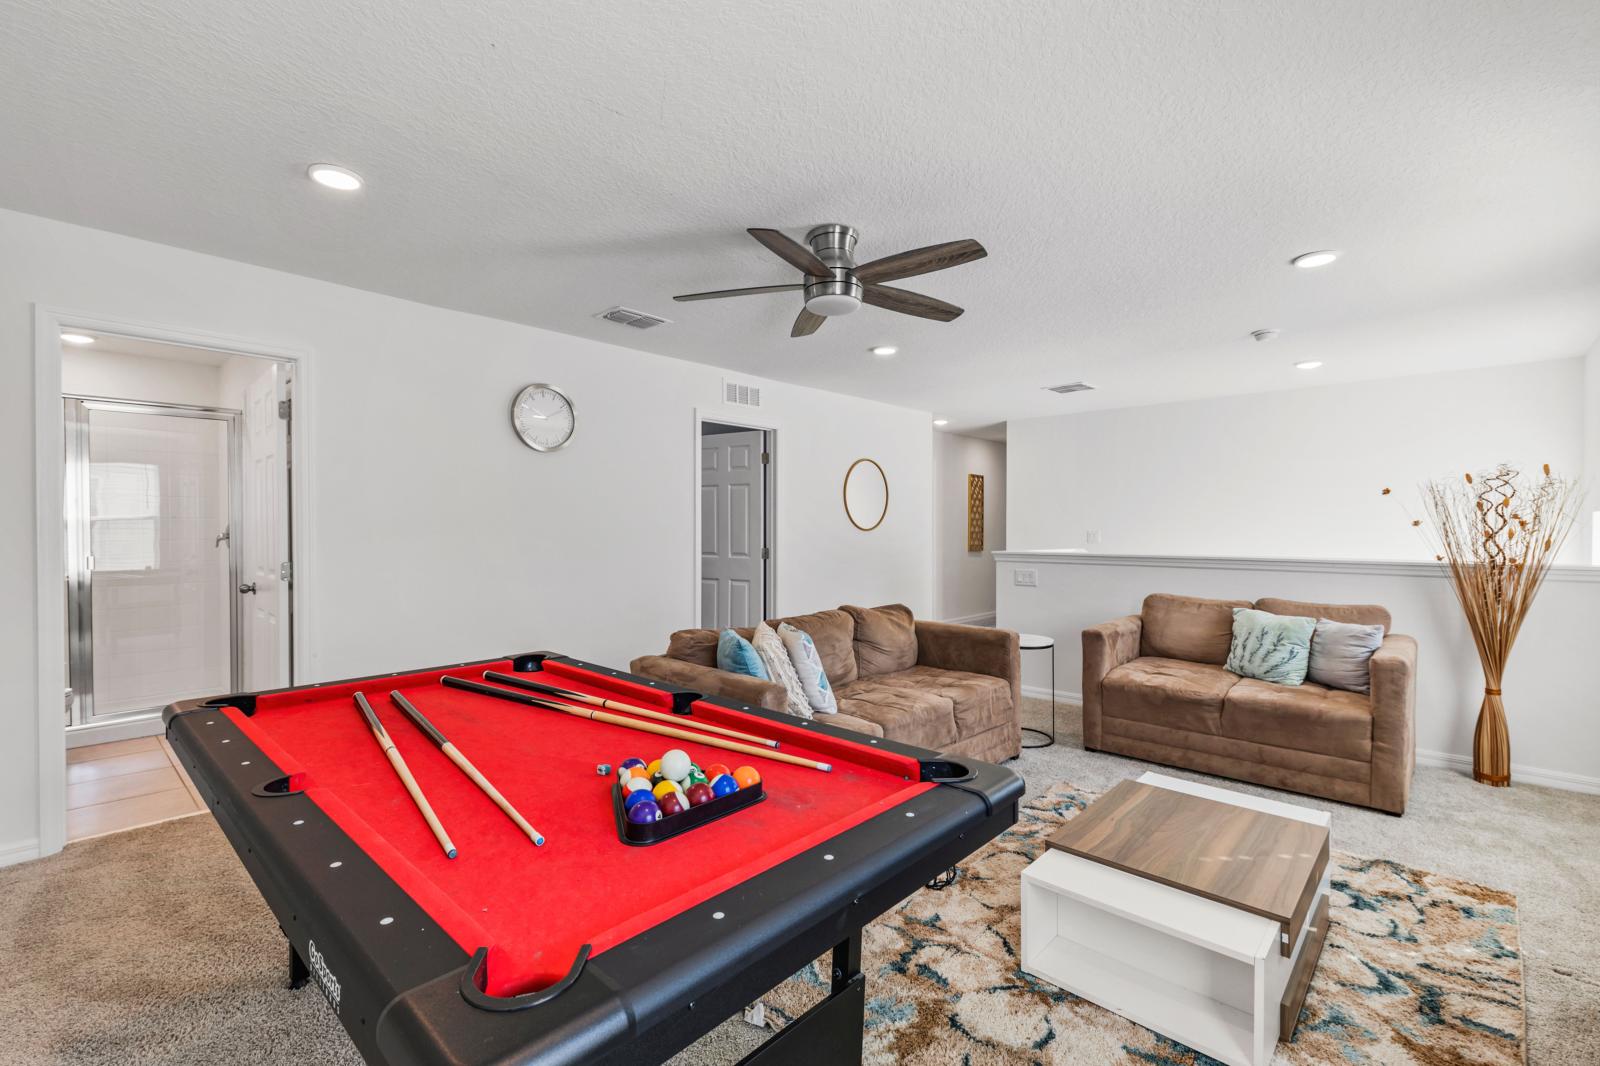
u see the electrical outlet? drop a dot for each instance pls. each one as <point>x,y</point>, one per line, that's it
<point>1028,578</point>
<point>1091,536</point>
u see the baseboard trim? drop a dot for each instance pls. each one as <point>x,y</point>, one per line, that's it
<point>19,851</point>
<point>985,619</point>
<point>1038,693</point>
<point>1523,775</point>
<point>149,725</point>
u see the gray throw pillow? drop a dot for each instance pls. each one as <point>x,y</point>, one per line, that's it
<point>1341,653</point>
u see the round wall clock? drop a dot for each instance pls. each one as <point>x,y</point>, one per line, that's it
<point>542,416</point>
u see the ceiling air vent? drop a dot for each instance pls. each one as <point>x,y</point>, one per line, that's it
<point>627,316</point>
<point>741,395</point>
<point>1071,386</point>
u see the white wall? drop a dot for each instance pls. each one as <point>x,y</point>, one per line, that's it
<point>1588,532</point>
<point>1295,474</point>
<point>95,372</point>
<point>437,536</point>
<point>1555,732</point>
<point>964,581</point>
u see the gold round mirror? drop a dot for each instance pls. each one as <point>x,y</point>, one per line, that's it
<point>866,495</point>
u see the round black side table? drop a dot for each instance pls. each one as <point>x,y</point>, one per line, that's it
<point>1038,642</point>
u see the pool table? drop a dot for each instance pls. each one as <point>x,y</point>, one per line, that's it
<point>586,949</point>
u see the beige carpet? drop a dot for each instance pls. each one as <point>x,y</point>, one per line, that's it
<point>154,947</point>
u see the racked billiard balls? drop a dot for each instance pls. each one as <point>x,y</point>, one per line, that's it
<point>724,785</point>
<point>700,794</point>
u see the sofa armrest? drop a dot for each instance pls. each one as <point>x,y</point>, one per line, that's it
<point>1394,734</point>
<point>975,650</point>
<point>1105,647</point>
<point>709,681</point>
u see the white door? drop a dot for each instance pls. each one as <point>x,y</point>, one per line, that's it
<point>264,582</point>
<point>733,529</point>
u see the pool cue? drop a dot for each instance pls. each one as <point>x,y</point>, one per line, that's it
<point>615,705</point>
<point>629,723</point>
<point>381,735</point>
<point>454,755</point>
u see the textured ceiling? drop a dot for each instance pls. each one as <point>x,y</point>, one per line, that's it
<point>1140,173</point>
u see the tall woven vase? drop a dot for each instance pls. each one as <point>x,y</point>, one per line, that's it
<point>1491,741</point>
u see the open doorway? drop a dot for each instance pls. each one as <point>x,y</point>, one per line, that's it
<point>176,524</point>
<point>736,558</point>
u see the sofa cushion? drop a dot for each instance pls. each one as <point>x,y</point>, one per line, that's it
<point>833,632</point>
<point>1187,628</point>
<point>911,715</point>
<point>1270,647</point>
<point>1309,717</point>
<point>698,646</point>
<point>1366,614</point>
<point>1174,693</point>
<point>979,701</point>
<point>886,639</point>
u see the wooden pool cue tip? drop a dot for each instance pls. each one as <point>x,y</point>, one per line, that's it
<point>630,723</point>
<point>453,753</point>
<point>618,705</point>
<point>381,735</point>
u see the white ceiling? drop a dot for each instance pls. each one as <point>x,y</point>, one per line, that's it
<point>1140,173</point>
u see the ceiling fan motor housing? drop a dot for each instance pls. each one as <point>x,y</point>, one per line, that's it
<point>839,294</point>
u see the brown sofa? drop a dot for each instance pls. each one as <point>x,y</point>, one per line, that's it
<point>1154,688</point>
<point>952,688</point>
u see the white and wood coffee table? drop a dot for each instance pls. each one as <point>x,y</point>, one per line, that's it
<point>1197,912</point>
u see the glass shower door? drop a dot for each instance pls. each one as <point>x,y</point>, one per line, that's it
<point>151,602</point>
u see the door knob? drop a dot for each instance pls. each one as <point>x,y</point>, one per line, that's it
<point>248,588</point>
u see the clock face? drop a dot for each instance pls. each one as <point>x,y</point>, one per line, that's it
<point>542,416</point>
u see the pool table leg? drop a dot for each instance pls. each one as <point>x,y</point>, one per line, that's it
<point>831,1031</point>
<point>299,972</point>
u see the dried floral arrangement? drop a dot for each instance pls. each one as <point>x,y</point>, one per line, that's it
<point>1497,533</point>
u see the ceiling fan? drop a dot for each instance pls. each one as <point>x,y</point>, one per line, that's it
<point>835,285</point>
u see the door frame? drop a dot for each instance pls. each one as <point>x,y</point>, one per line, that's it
<point>49,424</point>
<point>770,427</point>
<point>80,644</point>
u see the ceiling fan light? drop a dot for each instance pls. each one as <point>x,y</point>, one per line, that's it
<point>831,304</point>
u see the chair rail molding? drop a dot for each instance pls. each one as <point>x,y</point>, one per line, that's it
<point>1376,567</point>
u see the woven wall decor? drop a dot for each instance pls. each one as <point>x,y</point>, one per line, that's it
<point>974,512</point>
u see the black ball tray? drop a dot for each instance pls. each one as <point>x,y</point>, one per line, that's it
<point>642,835</point>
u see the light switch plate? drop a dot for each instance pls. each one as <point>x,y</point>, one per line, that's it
<point>1028,578</point>
<point>1091,536</point>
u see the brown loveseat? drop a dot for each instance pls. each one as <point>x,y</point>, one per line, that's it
<point>1154,688</point>
<point>952,688</point>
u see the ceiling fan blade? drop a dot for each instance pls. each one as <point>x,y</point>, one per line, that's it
<point>720,293</point>
<point>792,252</point>
<point>920,261</point>
<point>909,303</point>
<point>806,324</point>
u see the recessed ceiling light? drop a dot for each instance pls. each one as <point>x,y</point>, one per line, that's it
<point>1314,259</point>
<point>77,338</point>
<point>1264,334</point>
<point>334,177</point>
<point>884,350</point>
<point>941,421</point>
<point>1309,364</point>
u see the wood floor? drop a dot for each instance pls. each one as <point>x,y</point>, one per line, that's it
<point>123,785</point>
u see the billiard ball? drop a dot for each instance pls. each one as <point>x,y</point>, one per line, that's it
<point>723,785</point>
<point>673,803</point>
<point>675,764</point>
<point>654,769</point>
<point>664,787</point>
<point>700,794</point>
<point>633,799</point>
<point>714,769</point>
<point>747,777</point>
<point>631,763</point>
<point>639,773</point>
<point>695,776</point>
<point>644,812</point>
<point>636,784</point>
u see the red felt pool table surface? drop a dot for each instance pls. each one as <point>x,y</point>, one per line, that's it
<point>533,908</point>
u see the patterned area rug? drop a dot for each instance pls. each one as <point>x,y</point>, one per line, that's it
<point>1417,968</point>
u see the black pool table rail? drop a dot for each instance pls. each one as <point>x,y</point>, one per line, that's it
<point>407,992</point>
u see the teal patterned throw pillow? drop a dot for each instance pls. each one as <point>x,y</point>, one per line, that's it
<point>738,656</point>
<point>1270,647</point>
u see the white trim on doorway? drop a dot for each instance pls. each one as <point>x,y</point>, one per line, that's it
<point>743,421</point>
<point>50,567</point>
